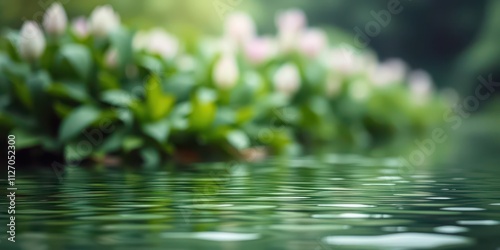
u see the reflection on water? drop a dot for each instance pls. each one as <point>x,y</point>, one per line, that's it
<point>341,202</point>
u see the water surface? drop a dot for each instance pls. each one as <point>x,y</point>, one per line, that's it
<point>334,202</point>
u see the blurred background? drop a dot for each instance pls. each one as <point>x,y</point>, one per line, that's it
<point>455,40</point>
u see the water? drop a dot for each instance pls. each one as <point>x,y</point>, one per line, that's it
<point>332,202</point>
<point>337,202</point>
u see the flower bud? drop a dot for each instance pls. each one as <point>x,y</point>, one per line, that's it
<point>55,20</point>
<point>287,79</point>
<point>226,72</point>
<point>239,27</point>
<point>80,27</point>
<point>313,42</point>
<point>346,62</point>
<point>31,41</point>
<point>290,26</point>
<point>260,50</point>
<point>389,72</point>
<point>111,59</point>
<point>291,21</point>
<point>157,42</point>
<point>103,20</point>
<point>420,86</point>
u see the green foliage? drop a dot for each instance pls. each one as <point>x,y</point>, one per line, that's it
<point>79,102</point>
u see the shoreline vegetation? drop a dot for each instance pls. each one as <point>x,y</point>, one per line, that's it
<point>92,89</point>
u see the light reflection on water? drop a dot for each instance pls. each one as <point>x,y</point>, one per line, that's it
<point>336,203</point>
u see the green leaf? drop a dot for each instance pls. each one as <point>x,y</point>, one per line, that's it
<point>224,116</point>
<point>150,156</point>
<point>121,40</point>
<point>38,83</point>
<point>203,109</point>
<point>12,38</point>
<point>78,57</point>
<point>113,142</point>
<point>117,97</point>
<point>131,142</point>
<point>245,114</point>
<point>159,131</point>
<point>77,121</point>
<point>158,103</point>
<point>108,81</point>
<point>238,139</point>
<point>23,94</point>
<point>69,90</point>
<point>74,154</point>
<point>25,139</point>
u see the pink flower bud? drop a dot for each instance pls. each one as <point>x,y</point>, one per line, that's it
<point>260,50</point>
<point>291,21</point>
<point>80,27</point>
<point>239,27</point>
<point>313,42</point>
<point>290,24</point>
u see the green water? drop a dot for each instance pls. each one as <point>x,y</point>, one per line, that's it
<point>331,202</point>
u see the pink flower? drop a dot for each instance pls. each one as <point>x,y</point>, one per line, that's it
<point>313,42</point>
<point>291,21</point>
<point>290,24</point>
<point>239,27</point>
<point>80,27</point>
<point>260,50</point>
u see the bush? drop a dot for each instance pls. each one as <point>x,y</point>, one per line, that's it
<point>97,89</point>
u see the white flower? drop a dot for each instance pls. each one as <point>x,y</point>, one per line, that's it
<point>103,20</point>
<point>111,58</point>
<point>343,61</point>
<point>239,27</point>
<point>55,20</point>
<point>31,41</point>
<point>420,86</point>
<point>313,42</point>
<point>291,21</point>
<point>80,27</point>
<point>290,24</point>
<point>287,79</point>
<point>157,42</point>
<point>389,72</point>
<point>260,50</point>
<point>226,73</point>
